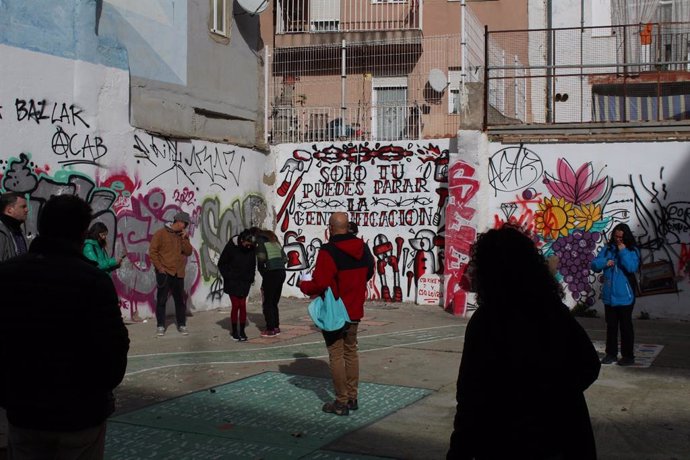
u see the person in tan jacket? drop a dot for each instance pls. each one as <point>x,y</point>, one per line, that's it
<point>168,252</point>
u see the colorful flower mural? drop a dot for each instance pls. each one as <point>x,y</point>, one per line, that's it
<point>570,223</point>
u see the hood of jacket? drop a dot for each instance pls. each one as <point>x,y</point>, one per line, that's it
<point>349,244</point>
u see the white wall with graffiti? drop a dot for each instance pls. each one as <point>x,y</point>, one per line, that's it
<point>64,129</point>
<point>571,195</point>
<point>395,192</point>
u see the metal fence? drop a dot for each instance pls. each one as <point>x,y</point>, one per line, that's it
<point>629,73</point>
<point>390,89</point>
<point>367,90</point>
<point>299,16</point>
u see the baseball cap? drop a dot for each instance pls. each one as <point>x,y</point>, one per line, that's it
<point>181,217</point>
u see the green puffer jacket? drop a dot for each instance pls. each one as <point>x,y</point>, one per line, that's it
<point>93,251</point>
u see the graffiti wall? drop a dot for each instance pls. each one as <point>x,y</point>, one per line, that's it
<point>571,195</point>
<point>396,193</point>
<point>64,129</point>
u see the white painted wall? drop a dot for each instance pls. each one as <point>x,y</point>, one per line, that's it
<point>64,129</point>
<point>642,184</point>
<point>595,50</point>
<point>395,192</point>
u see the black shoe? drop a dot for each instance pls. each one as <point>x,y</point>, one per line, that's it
<point>234,334</point>
<point>626,362</point>
<point>336,408</point>
<point>243,336</point>
<point>608,359</point>
<point>352,404</point>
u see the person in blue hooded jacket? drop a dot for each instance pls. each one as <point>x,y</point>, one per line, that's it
<point>619,259</point>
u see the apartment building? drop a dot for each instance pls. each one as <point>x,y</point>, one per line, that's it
<point>378,69</point>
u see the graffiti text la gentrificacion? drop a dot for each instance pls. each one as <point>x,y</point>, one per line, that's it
<point>347,181</point>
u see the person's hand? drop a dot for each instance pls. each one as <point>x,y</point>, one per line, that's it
<point>610,263</point>
<point>183,234</point>
<point>621,246</point>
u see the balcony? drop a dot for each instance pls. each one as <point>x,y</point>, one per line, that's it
<point>343,16</point>
<point>633,77</point>
<point>380,122</point>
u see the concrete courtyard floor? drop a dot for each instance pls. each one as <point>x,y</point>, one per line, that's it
<point>637,413</point>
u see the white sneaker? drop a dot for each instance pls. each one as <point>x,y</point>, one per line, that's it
<point>183,330</point>
<point>160,331</point>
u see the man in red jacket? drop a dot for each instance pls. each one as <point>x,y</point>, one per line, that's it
<point>344,264</point>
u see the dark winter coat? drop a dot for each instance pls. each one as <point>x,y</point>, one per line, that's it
<point>520,387</point>
<point>344,264</point>
<point>237,266</point>
<point>63,344</point>
<point>10,235</point>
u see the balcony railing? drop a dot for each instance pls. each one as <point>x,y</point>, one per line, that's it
<point>636,73</point>
<point>315,16</point>
<point>384,122</point>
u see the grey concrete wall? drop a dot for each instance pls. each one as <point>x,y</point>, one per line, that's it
<point>221,99</point>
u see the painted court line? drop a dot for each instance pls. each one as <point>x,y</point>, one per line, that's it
<point>310,350</point>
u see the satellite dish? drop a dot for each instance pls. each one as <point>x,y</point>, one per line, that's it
<point>253,6</point>
<point>437,80</point>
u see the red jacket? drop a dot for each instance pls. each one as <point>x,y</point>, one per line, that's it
<point>344,264</point>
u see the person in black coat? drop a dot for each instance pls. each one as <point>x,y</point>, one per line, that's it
<point>237,266</point>
<point>63,344</point>
<point>526,361</point>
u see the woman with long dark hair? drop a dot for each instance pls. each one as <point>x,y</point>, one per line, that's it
<point>95,247</point>
<point>618,260</point>
<point>237,266</point>
<point>525,363</point>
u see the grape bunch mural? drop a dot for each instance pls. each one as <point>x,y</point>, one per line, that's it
<point>570,224</point>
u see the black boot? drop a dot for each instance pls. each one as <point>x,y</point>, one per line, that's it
<point>235,336</point>
<point>243,336</point>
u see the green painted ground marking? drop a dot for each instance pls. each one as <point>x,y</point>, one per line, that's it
<point>317,349</point>
<point>270,415</point>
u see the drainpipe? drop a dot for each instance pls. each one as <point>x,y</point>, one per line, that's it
<point>267,69</point>
<point>463,44</point>
<point>549,63</point>
<point>582,77</point>
<point>343,76</point>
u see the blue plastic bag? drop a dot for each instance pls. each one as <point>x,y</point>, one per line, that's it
<point>328,313</point>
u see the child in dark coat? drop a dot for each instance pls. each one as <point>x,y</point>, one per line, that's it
<point>237,265</point>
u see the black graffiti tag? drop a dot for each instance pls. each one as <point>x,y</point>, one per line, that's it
<point>77,149</point>
<point>36,111</point>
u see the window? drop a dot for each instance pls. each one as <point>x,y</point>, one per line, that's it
<point>390,111</point>
<point>325,26</point>
<point>219,18</point>
<point>454,78</point>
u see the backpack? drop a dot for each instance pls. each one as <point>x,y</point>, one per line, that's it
<point>270,256</point>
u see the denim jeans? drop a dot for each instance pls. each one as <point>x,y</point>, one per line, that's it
<point>619,316</point>
<point>344,361</point>
<point>168,284</point>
